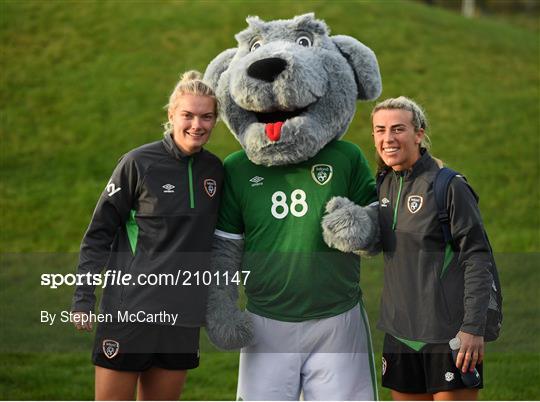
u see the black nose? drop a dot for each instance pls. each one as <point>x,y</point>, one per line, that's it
<point>267,69</point>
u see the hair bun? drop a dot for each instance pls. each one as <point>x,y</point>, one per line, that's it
<point>191,75</point>
<point>191,83</point>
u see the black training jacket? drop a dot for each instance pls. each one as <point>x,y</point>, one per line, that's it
<point>431,292</point>
<point>156,215</point>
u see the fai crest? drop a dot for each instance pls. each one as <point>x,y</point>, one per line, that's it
<point>321,174</point>
<point>110,348</point>
<point>414,203</point>
<point>210,187</point>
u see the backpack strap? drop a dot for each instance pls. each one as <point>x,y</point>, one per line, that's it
<point>441,183</point>
<point>440,190</point>
<point>380,178</point>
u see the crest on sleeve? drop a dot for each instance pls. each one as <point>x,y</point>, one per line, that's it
<point>321,173</point>
<point>110,348</point>
<point>210,186</point>
<point>414,203</point>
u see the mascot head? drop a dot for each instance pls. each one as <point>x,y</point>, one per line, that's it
<point>289,88</point>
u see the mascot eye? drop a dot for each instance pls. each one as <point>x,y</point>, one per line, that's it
<point>304,41</point>
<point>255,46</point>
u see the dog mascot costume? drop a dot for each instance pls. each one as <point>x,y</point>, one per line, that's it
<point>288,93</point>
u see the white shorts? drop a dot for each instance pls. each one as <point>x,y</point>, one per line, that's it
<point>326,359</point>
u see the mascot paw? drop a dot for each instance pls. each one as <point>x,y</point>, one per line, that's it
<point>347,226</point>
<point>227,327</point>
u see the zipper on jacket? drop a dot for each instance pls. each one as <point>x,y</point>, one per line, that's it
<point>190,178</point>
<point>397,203</point>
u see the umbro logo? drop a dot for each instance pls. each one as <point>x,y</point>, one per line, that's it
<point>385,202</point>
<point>256,181</point>
<point>449,376</point>
<point>169,188</point>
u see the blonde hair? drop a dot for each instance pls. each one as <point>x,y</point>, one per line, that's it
<point>419,121</point>
<point>191,83</point>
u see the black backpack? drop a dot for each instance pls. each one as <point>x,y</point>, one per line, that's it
<point>494,314</point>
<point>440,190</point>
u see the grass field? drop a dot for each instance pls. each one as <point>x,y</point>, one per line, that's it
<point>82,82</point>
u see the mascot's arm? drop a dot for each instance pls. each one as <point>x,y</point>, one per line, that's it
<point>351,228</point>
<point>227,326</point>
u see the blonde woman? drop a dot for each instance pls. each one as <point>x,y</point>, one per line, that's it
<point>432,293</point>
<point>152,230</point>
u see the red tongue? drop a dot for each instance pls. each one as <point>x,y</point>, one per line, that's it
<point>273,130</point>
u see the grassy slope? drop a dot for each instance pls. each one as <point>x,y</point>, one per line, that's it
<point>83,82</point>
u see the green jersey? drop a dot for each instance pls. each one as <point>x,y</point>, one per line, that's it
<point>294,275</point>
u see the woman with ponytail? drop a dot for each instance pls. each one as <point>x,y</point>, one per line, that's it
<point>433,291</point>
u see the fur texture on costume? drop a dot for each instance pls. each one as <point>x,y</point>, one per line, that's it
<point>285,92</point>
<point>227,326</point>
<point>349,227</point>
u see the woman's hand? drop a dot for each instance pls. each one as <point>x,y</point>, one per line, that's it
<point>81,320</point>
<point>471,351</point>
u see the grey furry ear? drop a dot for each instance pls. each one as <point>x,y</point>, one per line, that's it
<point>254,21</point>
<point>309,23</point>
<point>364,65</point>
<point>218,66</point>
